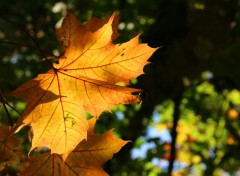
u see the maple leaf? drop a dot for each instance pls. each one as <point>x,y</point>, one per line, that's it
<point>9,147</point>
<point>84,79</point>
<point>86,159</point>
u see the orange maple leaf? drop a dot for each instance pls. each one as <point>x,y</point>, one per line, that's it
<point>84,79</point>
<point>9,147</point>
<point>86,159</point>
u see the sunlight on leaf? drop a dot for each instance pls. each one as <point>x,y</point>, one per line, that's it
<point>86,159</point>
<point>84,79</point>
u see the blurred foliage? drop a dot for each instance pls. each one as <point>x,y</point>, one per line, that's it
<point>198,62</point>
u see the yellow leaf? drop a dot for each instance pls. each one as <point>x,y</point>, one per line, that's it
<point>87,159</point>
<point>84,79</point>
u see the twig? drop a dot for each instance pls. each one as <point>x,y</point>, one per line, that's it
<point>13,108</point>
<point>3,101</point>
<point>32,39</point>
<point>17,44</point>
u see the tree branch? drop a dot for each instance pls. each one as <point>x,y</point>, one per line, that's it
<point>176,116</point>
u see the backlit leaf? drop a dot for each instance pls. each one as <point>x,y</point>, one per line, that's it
<point>9,147</point>
<point>84,80</point>
<point>87,159</point>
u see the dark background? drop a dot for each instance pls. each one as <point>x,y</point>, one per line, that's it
<point>194,75</point>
